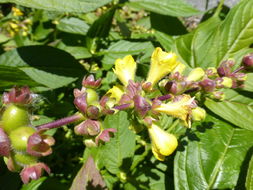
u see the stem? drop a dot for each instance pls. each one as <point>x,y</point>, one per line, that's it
<point>164,97</point>
<point>219,8</point>
<point>60,122</point>
<point>239,69</point>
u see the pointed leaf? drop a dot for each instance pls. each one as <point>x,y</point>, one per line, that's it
<point>213,157</point>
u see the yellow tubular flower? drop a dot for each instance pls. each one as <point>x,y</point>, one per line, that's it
<point>116,92</point>
<point>163,143</point>
<point>196,74</point>
<point>179,109</point>
<point>162,63</point>
<point>125,69</point>
<point>17,12</point>
<point>179,68</point>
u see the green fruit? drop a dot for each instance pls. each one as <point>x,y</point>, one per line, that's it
<point>19,137</point>
<point>92,96</point>
<point>25,159</point>
<point>13,117</point>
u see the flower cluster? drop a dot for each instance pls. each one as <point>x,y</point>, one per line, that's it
<point>20,143</point>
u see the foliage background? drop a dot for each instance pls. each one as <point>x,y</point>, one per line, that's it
<point>56,42</point>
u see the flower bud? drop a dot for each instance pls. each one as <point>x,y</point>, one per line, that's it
<point>81,103</point>
<point>218,95</point>
<point>88,128</point>
<point>225,69</point>
<point>141,106</point>
<point>18,96</point>
<point>211,72</point>
<point>90,82</point>
<point>196,74</point>
<point>224,82</point>
<point>163,143</point>
<point>5,146</point>
<point>92,96</point>
<point>104,136</point>
<point>208,85</point>
<point>240,76</point>
<point>89,143</point>
<point>93,112</point>
<point>40,144</point>
<point>33,172</point>
<point>23,159</point>
<point>248,60</point>
<point>198,114</point>
<point>176,87</point>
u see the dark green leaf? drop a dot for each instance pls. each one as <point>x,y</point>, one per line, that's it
<point>81,6</point>
<point>77,52</point>
<point>165,7</point>
<point>236,109</point>
<point>118,153</point>
<point>212,157</point>
<point>34,185</point>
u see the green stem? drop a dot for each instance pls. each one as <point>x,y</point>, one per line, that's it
<point>219,8</point>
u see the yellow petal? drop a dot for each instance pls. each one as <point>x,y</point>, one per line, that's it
<point>196,74</point>
<point>180,109</point>
<point>116,92</point>
<point>163,143</point>
<point>162,63</point>
<point>125,69</point>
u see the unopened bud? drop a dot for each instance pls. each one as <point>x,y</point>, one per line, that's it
<point>196,74</point>
<point>218,95</point>
<point>240,76</point>
<point>198,114</point>
<point>90,82</point>
<point>225,69</point>
<point>89,143</point>
<point>88,128</point>
<point>224,82</point>
<point>141,105</point>
<point>211,72</point>
<point>93,112</point>
<point>207,85</point>
<point>248,60</point>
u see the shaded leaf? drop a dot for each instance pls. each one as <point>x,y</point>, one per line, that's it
<point>249,178</point>
<point>34,184</point>
<point>212,157</point>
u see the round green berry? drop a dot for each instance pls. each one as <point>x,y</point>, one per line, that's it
<point>24,159</point>
<point>92,96</point>
<point>13,117</point>
<point>19,137</point>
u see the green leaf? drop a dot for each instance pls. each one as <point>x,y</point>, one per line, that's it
<point>249,178</point>
<point>80,6</point>
<point>102,26</point>
<point>123,48</point>
<point>34,185</point>
<point>118,152</point>
<point>249,82</point>
<point>73,25</point>
<point>213,156</point>
<point>236,109</point>
<point>165,7</point>
<point>77,52</point>
<point>46,65</point>
<point>88,177</point>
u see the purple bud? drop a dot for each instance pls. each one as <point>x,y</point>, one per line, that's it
<point>90,82</point>
<point>148,121</point>
<point>141,106</point>
<point>33,172</point>
<point>147,86</point>
<point>207,85</point>
<point>93,112</point>
<point>248,60</point>
<point>5,146</point>
<point>133,88</point>
<point>81,103</point>
<point>240,76</point>
<point>225,69</point>
<point>105,135</point>
<point>39,144</point>
<point>88,127</point>
<point>104,102</point>
<point>18,95</point>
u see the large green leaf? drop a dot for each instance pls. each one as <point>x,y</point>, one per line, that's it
<point>166,7</point>
<point>249,82</point>
<point>236,109</point>
<point>212,157</point>
<point>123,48</point>
<point>46,65</point>
<point>80,6</point>
<point>249,178</point>
<point>73,25</point>
<point>214,41</point>
<point>117,154</point>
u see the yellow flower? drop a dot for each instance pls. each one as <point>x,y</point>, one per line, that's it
<point>162,63</point>
<point>125,69</point>
<point>116,92</point>
<point>198,114</point>
<point>180,109</point>
<point>17,12</point>
<point>179,68</point>
<point>163,143</point>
